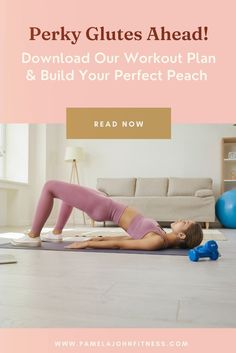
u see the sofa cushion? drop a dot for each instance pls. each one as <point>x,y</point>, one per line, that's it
<point>204,193</point>
<point>187,186</point>
<point>151,187</point>
<point>117,186</point>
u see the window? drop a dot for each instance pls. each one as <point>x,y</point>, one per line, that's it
<point>14,152</point>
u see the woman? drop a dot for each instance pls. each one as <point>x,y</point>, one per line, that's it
<point>144,233</point>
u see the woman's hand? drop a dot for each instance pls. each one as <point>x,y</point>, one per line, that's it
<point>77,245</point>
<point>83,244</point>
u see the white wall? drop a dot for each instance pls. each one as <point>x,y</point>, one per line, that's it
<point>193,151</point>
<point>17,137</point>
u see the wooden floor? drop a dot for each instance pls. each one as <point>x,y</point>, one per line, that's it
<point>69,289</point>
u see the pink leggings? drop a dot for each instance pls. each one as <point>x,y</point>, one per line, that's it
<point>98,206</point>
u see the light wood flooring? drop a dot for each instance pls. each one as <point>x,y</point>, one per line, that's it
<point>69,289</point>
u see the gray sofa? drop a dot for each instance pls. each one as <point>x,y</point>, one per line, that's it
<point>164,199</point>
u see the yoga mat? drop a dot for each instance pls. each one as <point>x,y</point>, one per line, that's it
<point>61,247</point>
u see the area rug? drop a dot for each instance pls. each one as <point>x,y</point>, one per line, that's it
<point>73,235</point>
<point>213,234</point>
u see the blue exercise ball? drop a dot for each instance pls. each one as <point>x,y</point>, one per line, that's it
<point>226,209</point>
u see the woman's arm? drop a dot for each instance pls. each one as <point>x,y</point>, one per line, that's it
<point>152,243</point>
<point>121,237</point>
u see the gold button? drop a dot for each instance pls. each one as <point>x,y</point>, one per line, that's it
<point>118,123</point>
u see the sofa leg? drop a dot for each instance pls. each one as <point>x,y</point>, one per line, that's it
<point>207,225</point>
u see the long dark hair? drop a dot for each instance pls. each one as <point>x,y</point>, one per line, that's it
<point>194,236</point>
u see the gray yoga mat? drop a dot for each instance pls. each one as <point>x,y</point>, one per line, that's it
<point>61,247</point>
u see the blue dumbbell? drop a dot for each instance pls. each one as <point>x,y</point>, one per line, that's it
<point>209,249</point>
